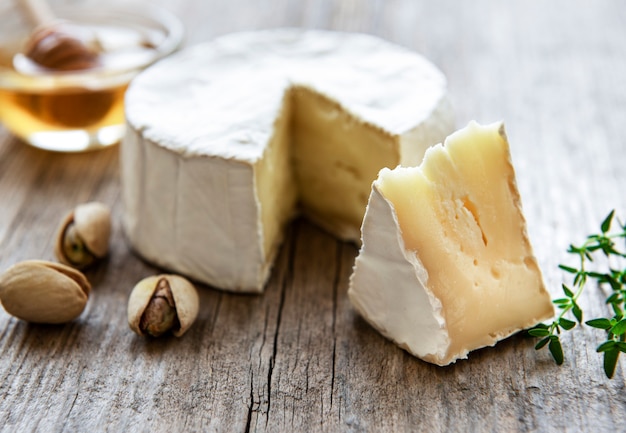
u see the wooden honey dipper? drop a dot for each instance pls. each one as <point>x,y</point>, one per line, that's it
<point>53,43</point>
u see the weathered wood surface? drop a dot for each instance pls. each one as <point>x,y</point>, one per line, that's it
<point>298,358</point>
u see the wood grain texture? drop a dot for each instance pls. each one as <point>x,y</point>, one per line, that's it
<point>298,358</point>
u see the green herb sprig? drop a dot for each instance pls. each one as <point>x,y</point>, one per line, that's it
<point>603,245</point>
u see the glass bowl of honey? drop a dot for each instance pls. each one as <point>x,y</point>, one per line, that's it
<point>80,110</point>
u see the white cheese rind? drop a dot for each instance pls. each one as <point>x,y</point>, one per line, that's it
<point>389,285</point>
<point>459,222</point>
<point>200,124</point>
<point>237,83</point>
<point>204,235</point>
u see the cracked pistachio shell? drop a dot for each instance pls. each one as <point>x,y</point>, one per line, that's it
<point>185,299</point>
<point>44,292</point>
<point>92,223</point>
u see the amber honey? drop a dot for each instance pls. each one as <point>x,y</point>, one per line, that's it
<point>30,112</point>
<point>83,110</point>
<point>67,113</point>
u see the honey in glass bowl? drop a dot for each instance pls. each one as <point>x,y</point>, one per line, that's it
<point>71,111</point>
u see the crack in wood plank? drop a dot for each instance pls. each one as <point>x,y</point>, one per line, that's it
<point>286,282</point>
<point>251,407</point>
<point>336,282</point>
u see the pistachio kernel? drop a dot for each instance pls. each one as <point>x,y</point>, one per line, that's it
<point>74,248</point>
<point>160,315</point>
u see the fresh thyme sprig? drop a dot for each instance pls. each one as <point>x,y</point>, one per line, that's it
<point>615,278</point>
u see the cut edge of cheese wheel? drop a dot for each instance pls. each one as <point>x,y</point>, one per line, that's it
<point>446,265</point>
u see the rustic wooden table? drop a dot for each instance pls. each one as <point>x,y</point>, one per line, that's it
<point>298,358</point>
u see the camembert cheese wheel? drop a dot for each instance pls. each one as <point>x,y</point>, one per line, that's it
<point>446,265</point>
<point>228,140</point>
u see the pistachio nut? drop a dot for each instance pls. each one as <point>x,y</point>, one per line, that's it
<point>44,292</point>
<point>83,236</point>
<point>161,304</point>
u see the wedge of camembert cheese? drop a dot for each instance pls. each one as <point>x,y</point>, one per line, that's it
<point>446,266</point>
<point>228,140</point>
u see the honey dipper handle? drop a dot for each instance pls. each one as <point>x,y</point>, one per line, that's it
<point>38,11</point>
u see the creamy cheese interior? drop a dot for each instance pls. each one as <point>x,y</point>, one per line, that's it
<point>323,158</point>
<point>460,213</point>
<point>335,159</point>
<point>276,189</point>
